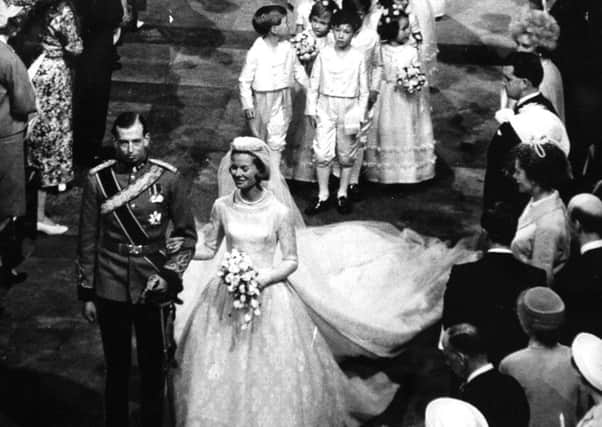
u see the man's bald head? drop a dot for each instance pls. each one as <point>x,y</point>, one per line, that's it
<point>585,209</point>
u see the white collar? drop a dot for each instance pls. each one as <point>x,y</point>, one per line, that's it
<point>535,203</point>
<point>527,97</point>
<point>591,246</point>
<point>499,251</point>
<point>485,368</point>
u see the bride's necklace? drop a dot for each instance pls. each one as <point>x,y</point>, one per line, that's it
<point>251,202</point>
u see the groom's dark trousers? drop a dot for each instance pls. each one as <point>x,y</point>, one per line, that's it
<point>117,321</point>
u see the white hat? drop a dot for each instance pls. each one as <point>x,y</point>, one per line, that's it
<point>448,412</point>
<point>587,354</point>
<point>536,125</point>
<point>7,12</point>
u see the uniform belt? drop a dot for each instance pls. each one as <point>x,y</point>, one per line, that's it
<point>133,250</point>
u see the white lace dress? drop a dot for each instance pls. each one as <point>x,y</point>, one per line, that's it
<point>361,288</point>
<point>278,373</point>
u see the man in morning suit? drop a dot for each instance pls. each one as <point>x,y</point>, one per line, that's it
<point>532,119</point>
<point>122,261</point>
<point>484,293</point>
<point>500,398</point>
<point>579,283</point>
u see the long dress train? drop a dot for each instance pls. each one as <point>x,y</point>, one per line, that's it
<point>361,288</point>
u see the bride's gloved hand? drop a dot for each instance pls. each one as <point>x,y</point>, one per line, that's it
<point>263,278</point>
<point>174,244</point>
<point>269,276</point>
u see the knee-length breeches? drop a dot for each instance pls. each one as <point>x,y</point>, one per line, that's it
<point>331,140</point>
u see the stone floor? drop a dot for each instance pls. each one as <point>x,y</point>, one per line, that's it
<point>181,70</point>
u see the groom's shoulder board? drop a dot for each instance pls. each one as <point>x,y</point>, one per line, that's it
<point>164,165</point>
<point>102,166</point>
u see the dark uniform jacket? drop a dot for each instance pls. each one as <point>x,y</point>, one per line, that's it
<point>484,293</point>
<point>108,267</point>
<point>499,186</point>
<point>500,398</point>
<point>579,284</point>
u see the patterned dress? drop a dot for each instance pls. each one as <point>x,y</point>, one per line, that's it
<point>50,139</point>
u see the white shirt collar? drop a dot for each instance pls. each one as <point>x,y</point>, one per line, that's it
<point>485,368</point>
<point>535,203</point>
<point>499,251</point>
<point>591,246</point>
<point>526,98</point>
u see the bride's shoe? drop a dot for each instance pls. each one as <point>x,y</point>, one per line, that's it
<point>51,229</point>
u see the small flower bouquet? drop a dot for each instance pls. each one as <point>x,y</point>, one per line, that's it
<point>411,79</point>
<point>306,46</point>
<point>238,275</point>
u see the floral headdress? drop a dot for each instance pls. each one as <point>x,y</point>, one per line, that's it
<point>391,13</point>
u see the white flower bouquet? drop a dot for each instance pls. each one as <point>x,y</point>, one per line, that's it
<point>239,277</point>
<point>305,46</point>
<point>411,79</point>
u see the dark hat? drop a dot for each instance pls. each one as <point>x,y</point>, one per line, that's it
<point>540,309</point>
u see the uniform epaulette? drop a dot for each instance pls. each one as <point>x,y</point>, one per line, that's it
<point>163,164</point>
<point>101,166</point>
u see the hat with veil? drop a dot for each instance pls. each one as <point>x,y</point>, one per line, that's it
<point>275,181</point>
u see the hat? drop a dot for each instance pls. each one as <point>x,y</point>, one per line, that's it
<point>587,355</point>
<point>540,309</point>
<point>448,412</point>
<point>254,146</point>
<point>7,12</point>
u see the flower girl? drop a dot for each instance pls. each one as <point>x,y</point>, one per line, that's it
<point>303,12</point>
<point>298,157</point>
<point>422,28</point>
<point>404,148</point>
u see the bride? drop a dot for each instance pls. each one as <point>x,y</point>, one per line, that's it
<point>330,292</point>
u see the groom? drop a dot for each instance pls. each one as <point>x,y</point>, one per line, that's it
<point>128,278</point>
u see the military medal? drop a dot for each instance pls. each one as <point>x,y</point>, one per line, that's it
<point>156,196</point>
<point>154,218</point>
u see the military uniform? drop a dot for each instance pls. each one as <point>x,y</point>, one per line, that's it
<point>124,221</point>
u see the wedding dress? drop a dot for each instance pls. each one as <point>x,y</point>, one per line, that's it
<point>361,289</point>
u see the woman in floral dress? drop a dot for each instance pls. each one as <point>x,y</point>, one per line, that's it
<point>50,137</point>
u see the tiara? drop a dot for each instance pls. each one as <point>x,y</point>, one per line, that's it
<point>247,143</point>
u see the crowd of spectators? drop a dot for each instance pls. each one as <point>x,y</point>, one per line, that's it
<point>57,57</point>
<point>520,326</point>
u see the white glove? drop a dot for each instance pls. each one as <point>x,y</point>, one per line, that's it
<point>504,115</point>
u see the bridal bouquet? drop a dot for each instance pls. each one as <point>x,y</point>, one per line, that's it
<point>305,46</point>
<point>411,79</point>
<point>238,275</point>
